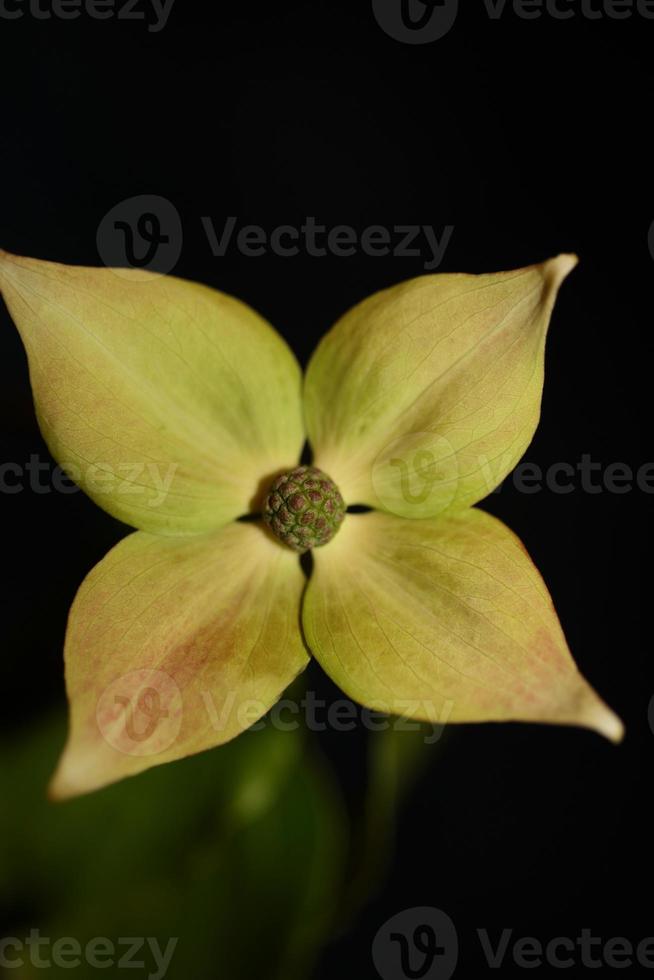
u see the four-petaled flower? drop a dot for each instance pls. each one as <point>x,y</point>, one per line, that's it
<point>179,410</point>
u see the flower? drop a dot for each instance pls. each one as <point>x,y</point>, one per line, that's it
<point>177,408</point>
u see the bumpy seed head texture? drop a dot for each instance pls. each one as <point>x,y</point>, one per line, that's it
<point>304,508</point>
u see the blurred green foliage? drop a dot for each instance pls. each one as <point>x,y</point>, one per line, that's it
<point>244,854</point>
<point>239,852</point>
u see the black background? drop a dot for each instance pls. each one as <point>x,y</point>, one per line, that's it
<point>530,138</point>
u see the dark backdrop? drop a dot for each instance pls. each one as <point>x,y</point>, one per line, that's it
<point>529,137</point>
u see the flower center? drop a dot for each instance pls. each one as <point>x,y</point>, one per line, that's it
<point>304,508</point>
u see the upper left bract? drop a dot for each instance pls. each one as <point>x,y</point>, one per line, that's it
<point>169,403</point>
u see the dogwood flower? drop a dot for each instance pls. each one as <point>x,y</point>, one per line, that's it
<point>179,410</point>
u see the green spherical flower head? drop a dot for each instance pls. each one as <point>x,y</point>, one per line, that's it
<point>304,508</point>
